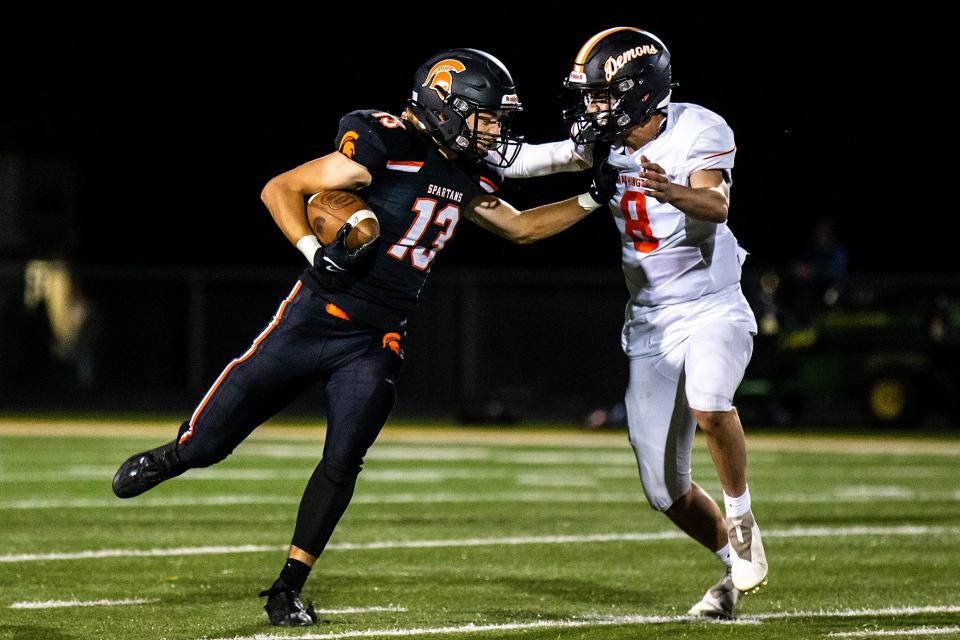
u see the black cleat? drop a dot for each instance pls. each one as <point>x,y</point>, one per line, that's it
<point>285,609</point>
<point>146,470</point>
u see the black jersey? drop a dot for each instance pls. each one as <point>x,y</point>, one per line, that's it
<point>418,196</point>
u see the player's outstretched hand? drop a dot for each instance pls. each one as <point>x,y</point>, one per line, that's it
<point>654,180</point>
<point>604,183</point>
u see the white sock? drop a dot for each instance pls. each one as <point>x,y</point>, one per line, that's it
<point>724,554</point>
<point>736,507</point>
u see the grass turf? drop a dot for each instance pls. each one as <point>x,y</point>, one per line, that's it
<point>853,524</point>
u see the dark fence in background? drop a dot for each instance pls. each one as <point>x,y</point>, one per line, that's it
<point>491,345</point>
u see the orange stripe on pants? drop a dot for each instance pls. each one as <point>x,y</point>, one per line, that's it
<point>249,352</point>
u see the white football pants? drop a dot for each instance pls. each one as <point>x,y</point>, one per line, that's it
<point>701,372</point>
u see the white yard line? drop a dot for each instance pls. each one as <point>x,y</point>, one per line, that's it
<point>335,612</point>
<point>856,613</point>
<point>555,479</point>
<point>474,628</point>
<point>458,454</point>
<point>861,495</point>
<point>797,532</point>
<point>102,474</point>
<point>596,622</point>
<point>568,458</point>
<point>430,476</point>
<point>393,453</point>
<point>56,604</point>
<point>613,469</point>
<point>140,553</point>
<point>872,492</point>
<point>396,498</point>
<point>311,435</point>
<point>112,503</point>
<point>878,633</point>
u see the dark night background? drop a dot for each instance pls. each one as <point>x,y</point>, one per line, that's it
<point>170,120</point>
<point>135,141</point>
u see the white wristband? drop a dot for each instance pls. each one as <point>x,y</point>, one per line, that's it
<point>587,202</point>
<point>308,245</point>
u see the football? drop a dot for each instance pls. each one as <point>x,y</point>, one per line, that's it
<point>327,212</point>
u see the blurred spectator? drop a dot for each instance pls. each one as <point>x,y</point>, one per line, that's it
<point>51,286</point>
<point>819,272</point>
<point>614,417</point>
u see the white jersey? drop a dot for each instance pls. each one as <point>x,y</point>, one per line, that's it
<point>668,257</point>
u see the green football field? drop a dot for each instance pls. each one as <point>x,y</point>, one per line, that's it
<point>471,532</point>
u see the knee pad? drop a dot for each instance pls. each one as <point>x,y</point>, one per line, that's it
<point>339,473</point>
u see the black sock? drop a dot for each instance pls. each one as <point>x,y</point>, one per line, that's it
<point>294,574</point>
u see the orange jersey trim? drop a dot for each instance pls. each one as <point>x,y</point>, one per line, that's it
<point>404,165</point>
<point>722,153</point>
<point>488,184</point>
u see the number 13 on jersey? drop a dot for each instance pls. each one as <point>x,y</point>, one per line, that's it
<point>633,205</point>
<point>420,257</point>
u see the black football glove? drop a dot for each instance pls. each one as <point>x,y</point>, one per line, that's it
<point>336,258</point>
<point>603,186</point>
<point>336,267</point>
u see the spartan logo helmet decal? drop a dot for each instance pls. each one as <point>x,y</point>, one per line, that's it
<point>440,76</point>
<point>347,145</point>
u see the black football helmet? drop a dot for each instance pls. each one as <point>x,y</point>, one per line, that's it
<point>627,68</point>
<point>456,83</point>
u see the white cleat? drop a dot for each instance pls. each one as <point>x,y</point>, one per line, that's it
<point>749,570</point>
<point>719,600</point>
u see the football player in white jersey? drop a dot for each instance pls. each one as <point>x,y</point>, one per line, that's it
<point>688,330</point>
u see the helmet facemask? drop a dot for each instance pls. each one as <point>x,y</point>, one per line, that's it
<point>452,128</point>
<point>496,149</point>
<point>629,103</point>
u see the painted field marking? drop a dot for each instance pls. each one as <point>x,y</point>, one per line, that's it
<point>878,633</point>
<point>796,532</point>
<point>600,622</point>
<point>56,604</point>
<point>335,612</point>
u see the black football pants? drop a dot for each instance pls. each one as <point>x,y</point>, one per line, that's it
<point>307,341</point>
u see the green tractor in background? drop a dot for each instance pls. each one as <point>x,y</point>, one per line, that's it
<point>884,354</point>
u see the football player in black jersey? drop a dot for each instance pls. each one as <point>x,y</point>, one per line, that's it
<point>344,321</point>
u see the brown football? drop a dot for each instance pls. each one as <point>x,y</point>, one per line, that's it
<point>327,212</point>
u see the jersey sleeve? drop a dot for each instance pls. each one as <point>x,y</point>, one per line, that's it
<point>359,140</point>
<point>714,148</point>
<point>543,159</point>
<point>490,178</point>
